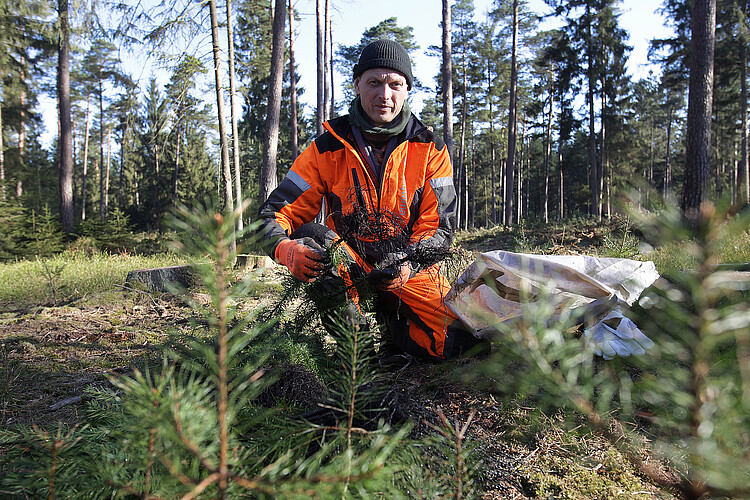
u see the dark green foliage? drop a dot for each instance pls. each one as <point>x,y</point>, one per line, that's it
<point>192,425</point>
<point>28,233</point>
<point>13,224</point>
<point>111,235</point>
<point>46,237</point>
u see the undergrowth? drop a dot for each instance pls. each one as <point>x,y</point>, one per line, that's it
<point>69,276</point>
<point>195,427</point>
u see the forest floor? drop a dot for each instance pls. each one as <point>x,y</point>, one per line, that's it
<point>51,357</point>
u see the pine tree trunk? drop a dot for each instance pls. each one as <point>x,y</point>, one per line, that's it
<point>473,180</point>
<point>447,78</point>
<point>668,155</point>
<point>225,169</point>
<point>463,212</point>
<point>327,61</point>
<point>233,107</point>
<point>293,84</point>
<point>121,174</point>
<point>743,177</point>
<point>603,151</point>
<point>700,101</point>
<point>331,72</point>
<point>492,141</point>
<point>86,134</point>
<point>268,179</point>
<point>561,192</point>
<point>178,147</point>
<point>106,177</point>
<point>593,167</point>
<point>512,125</point>
<point>22,133</point>
<point>2,155</point>
<point>156,198</point>
<point>547,157</point>
<point>321,72</point>
<point>65,140</point>
<point>102,195</point>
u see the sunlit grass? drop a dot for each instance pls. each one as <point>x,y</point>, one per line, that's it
<point>69,276</point>
<point>676,256</point>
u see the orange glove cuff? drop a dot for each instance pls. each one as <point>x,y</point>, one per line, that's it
<point>303,262</point>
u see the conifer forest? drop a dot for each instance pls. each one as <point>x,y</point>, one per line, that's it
<point>583,134</point>
<point>148,349</point>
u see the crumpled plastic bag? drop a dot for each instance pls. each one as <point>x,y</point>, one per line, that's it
<point>492,289</point>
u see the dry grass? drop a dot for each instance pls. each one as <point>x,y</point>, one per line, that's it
<point>69,276</point>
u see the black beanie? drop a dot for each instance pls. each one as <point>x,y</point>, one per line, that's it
<point>385,54</point>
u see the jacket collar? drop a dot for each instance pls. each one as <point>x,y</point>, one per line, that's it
<point>341,128</point>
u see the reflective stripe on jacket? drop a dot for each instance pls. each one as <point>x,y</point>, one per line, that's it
<point>417,184</point>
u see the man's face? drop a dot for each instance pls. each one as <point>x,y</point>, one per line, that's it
<point>382,92</point>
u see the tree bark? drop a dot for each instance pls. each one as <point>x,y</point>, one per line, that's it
<point>463,212</point>
<point>447,78</point>
<point>2,155</point>
<point>700,102</point>
<point>327,61</point>
<point>268,179</point>
<point>668,155</point>
<point>102,193</point>
<point>331,72</point>
<point>121,173</point>
<point>106,177</point>
<point>593,157</point>
<point>512,125</point>
<point>22,134</point>
<point>321,72</point>
<point>233,113</point>
<point>86,134</point>
<point>225,169</point>
<point>293,84</point>
<point>65,137</point>
<point>178,146</point>
<point>547,156</point>
<point>743,177</point>
<point>604,160</point>
<point>492,141</point>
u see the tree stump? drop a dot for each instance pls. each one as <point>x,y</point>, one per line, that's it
<point>162,279</point>
<point>246,261</point>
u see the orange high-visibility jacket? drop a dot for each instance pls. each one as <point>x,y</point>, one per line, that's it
<point>417,184</point>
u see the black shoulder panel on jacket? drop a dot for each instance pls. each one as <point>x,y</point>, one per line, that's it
<point>327,143</point>
<point>416,131</point>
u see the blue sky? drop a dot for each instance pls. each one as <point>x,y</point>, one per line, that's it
<point>352,17</point>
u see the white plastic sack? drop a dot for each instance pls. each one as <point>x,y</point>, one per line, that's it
<point>490,291</point>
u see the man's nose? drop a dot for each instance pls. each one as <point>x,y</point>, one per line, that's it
<point>385,93</point>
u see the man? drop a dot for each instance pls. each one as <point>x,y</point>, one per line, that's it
<point>387,182</point>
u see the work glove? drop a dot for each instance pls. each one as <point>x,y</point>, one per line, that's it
<point>303,257</point>
<point>392,273</point>
<point>616,335</point>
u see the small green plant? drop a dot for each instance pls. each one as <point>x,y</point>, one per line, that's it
<point>46,237</point>
<point>193,429</point>
<point>620,244</point>
<point>52,274</point>
<point>109,235</point>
